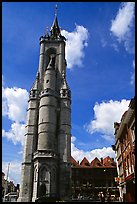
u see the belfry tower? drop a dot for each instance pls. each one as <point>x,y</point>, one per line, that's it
<point>46,160</point>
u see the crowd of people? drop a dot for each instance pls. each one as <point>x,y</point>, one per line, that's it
<point>102,197</point>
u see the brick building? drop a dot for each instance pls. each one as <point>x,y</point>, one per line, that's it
<point>125,153</point>
<point>88,179</point>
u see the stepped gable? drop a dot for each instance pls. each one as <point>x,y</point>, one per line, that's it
<point>109,162</point>
<point>96,163</point>
<point>85,162</point>
<point>73,162</point>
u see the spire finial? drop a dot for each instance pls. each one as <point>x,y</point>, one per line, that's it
<point>56,9</point>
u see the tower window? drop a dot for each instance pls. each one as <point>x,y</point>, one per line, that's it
<point>64,93</point>
<point>47,81</point>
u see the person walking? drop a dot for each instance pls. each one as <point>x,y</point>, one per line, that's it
<point>101,197</point>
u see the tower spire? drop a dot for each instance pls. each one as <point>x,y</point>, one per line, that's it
<point>55,30</point>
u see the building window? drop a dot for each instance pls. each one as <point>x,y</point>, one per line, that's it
<point>87,164</point>
<point>44,175</point>
<point>64,93</point>
<point>42,190</point>
<point>133,133</point>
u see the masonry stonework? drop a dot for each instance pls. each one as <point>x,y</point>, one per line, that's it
<point>46,167</point>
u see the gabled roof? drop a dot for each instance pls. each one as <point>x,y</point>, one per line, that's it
<point>73,162</point>
<point>109,162</point>
<point>85,162</point>
<point>96,163</point>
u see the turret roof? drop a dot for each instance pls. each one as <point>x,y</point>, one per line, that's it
<point>36,83</point>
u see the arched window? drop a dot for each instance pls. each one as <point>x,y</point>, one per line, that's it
<point>49,52</point>
<point>42,190</point>
<point>44,175</point>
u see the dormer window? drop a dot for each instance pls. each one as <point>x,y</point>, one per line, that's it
<point>87,164</point>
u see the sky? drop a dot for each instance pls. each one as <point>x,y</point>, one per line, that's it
<point>100,58</point>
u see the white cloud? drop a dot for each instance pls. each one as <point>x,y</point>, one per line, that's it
<point>78,154</point>
<point>14,171</point>
<point>115,46</point>
<point>133,74</point>
<point>4,103</point>
<point>14,103</point>
<point>15,166</point>
<point>75,44</point>
<point>105,114</point>
<point>73,139</point>
<point>123,24</point>
<point>103,42</point>
<point>16,133</point>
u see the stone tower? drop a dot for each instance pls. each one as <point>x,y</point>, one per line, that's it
<point>46,168</point>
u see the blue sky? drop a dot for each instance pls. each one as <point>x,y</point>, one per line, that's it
<point>100,71</point>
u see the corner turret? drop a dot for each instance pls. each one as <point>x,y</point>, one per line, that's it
<point>65,90</point>
<point>34,92</point>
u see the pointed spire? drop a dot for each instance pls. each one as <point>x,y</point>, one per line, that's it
<point>35,85</point>
<point>64,85</point>
<point>55,30</point>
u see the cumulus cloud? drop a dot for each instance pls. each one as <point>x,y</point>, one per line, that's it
<point>15,134</point>
<point>133,74</point>
<point>14,106</point>
<point>122,25</point>
<point>14,103</point>
<point>14,171</point>
<point>78,154</point>
<point>105,114</point>
<point>75,44</point>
